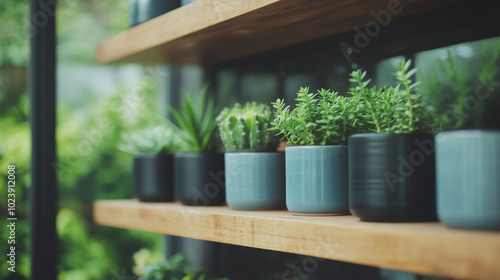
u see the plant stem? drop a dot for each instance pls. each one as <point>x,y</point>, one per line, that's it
<point>369,104</point>
<point>405,79</point>
<point>408,96</point>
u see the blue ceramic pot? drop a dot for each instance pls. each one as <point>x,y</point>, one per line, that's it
<point>316,180</point>
<point>468,179</point>
<point>144,10</point>
<point>255,180</point>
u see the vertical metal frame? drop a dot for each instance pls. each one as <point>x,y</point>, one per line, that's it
<point>43,196</point>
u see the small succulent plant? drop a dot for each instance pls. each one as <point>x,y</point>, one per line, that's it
<point>156,140</point>
<point>247,128</point>
<point>194,122</point>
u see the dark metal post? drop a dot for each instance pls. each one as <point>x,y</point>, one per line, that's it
<point>43,200</point>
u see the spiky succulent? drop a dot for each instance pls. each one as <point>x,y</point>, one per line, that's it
<point>246,127</point>
<point>157,140</point>
<point>194,122</point>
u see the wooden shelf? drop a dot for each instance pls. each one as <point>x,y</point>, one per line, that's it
<point>425,248</point>
<point>209,31</point>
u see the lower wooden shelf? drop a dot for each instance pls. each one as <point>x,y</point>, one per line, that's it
<point>425,248</point>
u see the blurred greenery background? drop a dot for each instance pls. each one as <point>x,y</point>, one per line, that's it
<point>95,103</point>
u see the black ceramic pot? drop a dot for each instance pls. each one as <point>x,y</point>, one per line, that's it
<point>392,177</point>
<point>154,178</point>
<point>144,10</point>
<point>199,179</point>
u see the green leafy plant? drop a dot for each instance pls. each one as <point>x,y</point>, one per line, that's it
<point>154,266</point>
<point>391,109</point>
<point>321,118</point>
<point>327,118</point>
<point>247,127</point>
<point>461,98</point>
<point>195,122</point>
<point>156,140</point>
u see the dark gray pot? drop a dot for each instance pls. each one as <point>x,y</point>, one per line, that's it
<point>144,10</point>
<point>199,179</point>
<point>468,179</point>
<point>316,180</point>
<point>153,178</point>
<point>255,180</point>
<point>392,177</point>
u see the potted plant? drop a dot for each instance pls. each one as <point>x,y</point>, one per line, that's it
<point>316,164</point>
<point>153,169</point>
<point>154,266</point>
<point>468,148</point>
<point>199,168</point>
<point>391,170</point>
<point>255,172</point>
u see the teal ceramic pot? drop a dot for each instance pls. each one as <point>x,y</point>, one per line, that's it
<point>316,180</point>
<point>255,180</point>
<point>199,179</point>
<point>144,10</point>
<point>468,179</point>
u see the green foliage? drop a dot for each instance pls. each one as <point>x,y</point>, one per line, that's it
<point>89,251</point>
<point>321,118</point>
<point>86,138</point>
<point>326,118</point>
<point>463,98</point>
<point>14,47</point>
<point>391,109</point>
<point>195,123</point>
<point>15,149</point>
<point>156,140</point>
<point>78,247</point>
<point>153,266</point>
<point>82,24</point>
<point>247,128</point>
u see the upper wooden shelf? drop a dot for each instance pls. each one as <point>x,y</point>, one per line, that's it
<point>426,248</point>
<point>209,31</point>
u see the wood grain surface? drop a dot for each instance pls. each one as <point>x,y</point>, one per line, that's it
<point>210,31</point>
<point>425,248</point>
